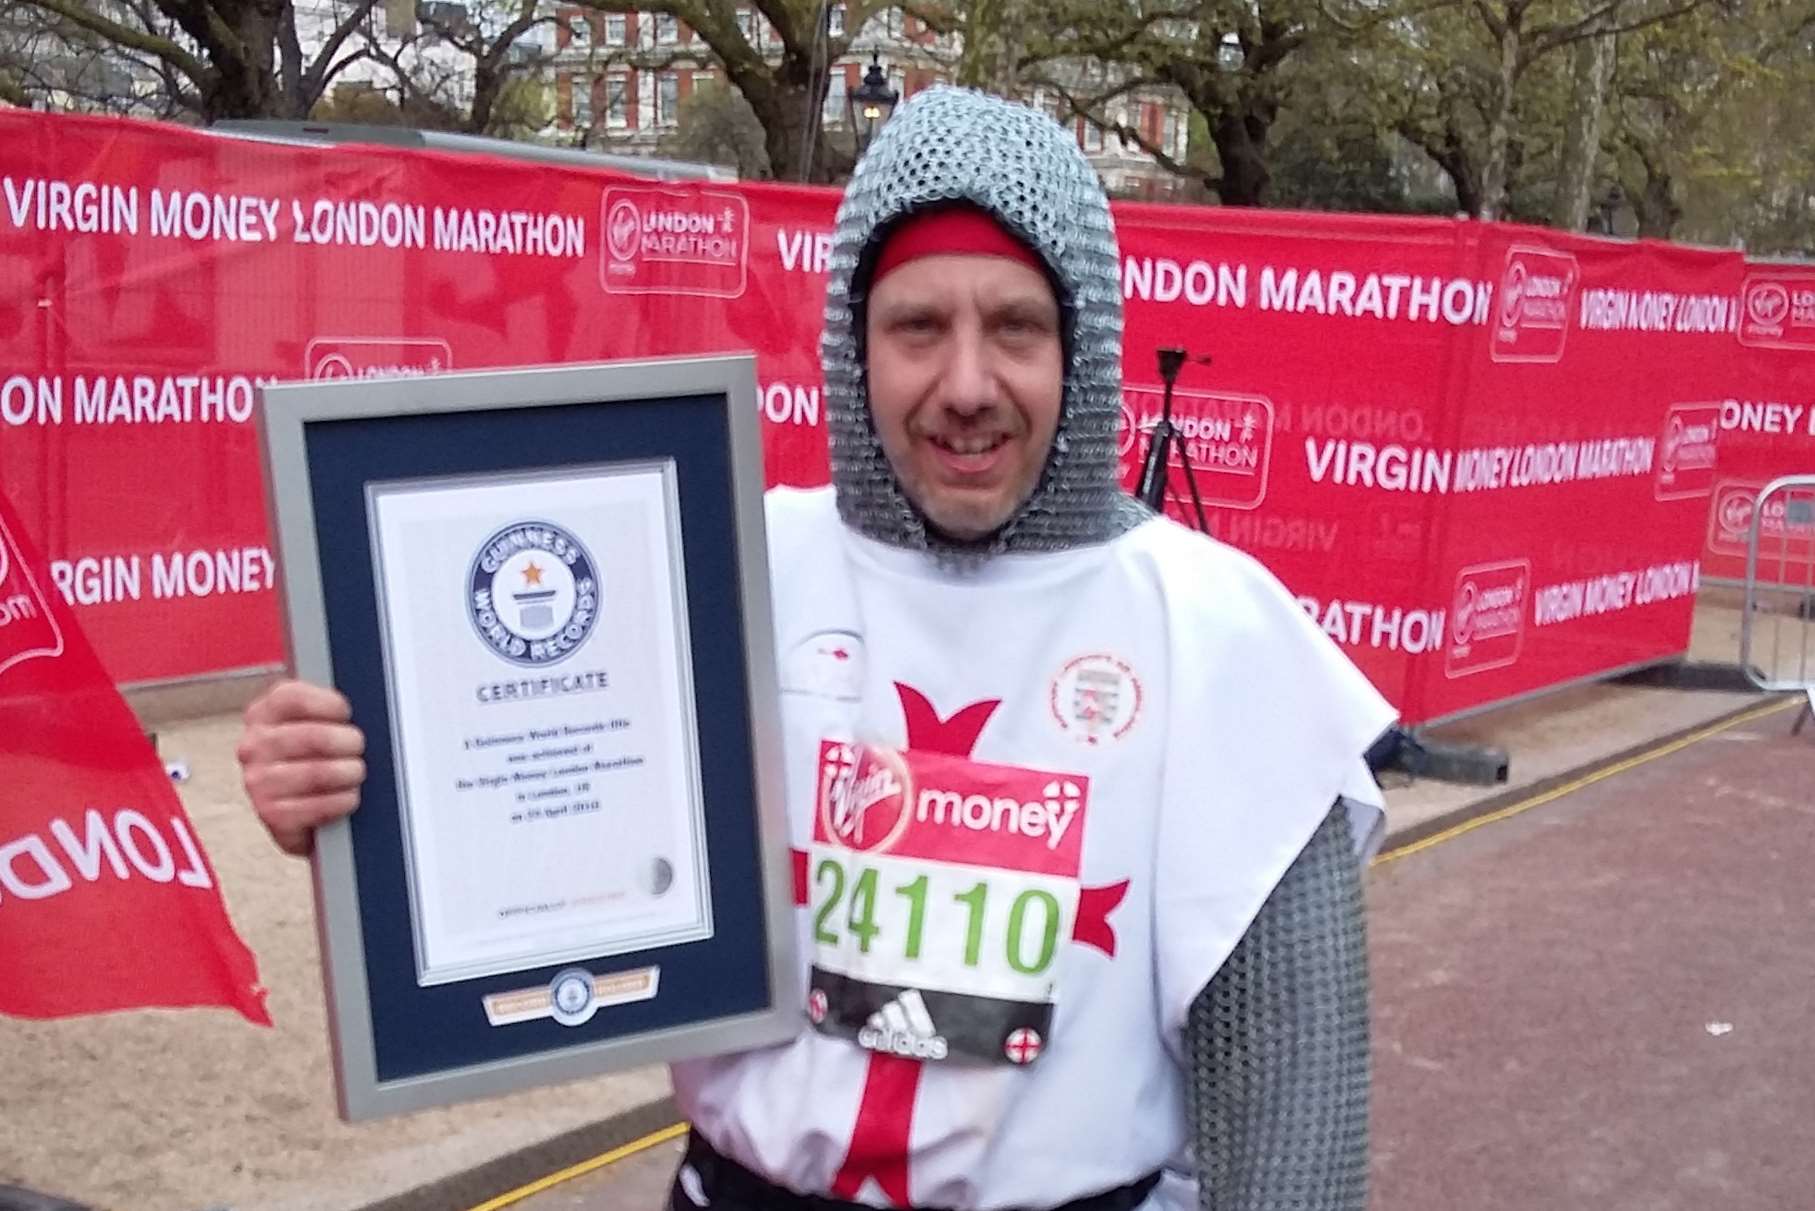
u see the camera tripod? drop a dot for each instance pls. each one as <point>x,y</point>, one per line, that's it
<point>1151,489</point>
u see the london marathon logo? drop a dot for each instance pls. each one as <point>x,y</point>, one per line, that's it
<point>533,593</point>
<point>675,241</point>
<point>1536,291</point>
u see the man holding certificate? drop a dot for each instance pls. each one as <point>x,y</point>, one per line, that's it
<point>1072,786</point>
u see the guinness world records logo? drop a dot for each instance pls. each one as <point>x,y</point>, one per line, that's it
<point>533,593</point>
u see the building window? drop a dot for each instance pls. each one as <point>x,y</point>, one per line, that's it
<point>703,79</point>
<point>582,101</point>
<point>617,100</point>
<point>746,25</point>
<point>836,85</point>
<point>667,98</point>
<point>836,20</point>
<point>667,31</point>
<point>1093,135</point>
<point>614,29</point>
<point>579,30</point>
<point>898,82</point>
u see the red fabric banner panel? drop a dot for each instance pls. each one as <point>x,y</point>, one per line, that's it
<point>107,900</point>
<point>1767,422</point>
<point>1415,423</point>
<point>1574,475</point>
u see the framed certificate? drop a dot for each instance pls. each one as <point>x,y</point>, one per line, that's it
<point>545,593</point>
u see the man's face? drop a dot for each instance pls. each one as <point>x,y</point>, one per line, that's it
<point>966,375</point>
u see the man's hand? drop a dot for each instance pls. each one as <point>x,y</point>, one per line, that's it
<point>301,761</point>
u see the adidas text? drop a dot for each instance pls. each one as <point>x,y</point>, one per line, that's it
<point>903,1043</point>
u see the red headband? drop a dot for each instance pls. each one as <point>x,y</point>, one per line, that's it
<point>957,231</point>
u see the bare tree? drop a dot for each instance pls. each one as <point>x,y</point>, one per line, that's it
<point>481,60</point>
<point>213,58</point>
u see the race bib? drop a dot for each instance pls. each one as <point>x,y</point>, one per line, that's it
<point>942,892</point>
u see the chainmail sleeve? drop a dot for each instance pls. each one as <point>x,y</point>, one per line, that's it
<point>1277,1046</point>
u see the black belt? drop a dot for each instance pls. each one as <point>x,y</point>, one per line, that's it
<point>723,1178</point>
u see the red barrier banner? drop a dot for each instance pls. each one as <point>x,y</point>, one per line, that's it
<point>1768,422</point>
<point>107,900</point>
<point>1329,341</point>
<point>1580,476</point>
<point>1406,419</point>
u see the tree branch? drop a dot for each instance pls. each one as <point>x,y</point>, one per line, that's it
<point>1087,110</point>
<point>1576,33</point>
<point>1495,25</point>
<point>203,22</point>
<point>318,74</point>
<point>124,35</point>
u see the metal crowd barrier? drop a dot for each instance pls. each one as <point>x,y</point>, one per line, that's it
<point>1780,591</point>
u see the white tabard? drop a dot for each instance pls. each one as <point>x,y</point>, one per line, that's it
<point>1039,801</point>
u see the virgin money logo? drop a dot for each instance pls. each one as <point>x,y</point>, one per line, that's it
<point>1512,293</point>
<point>1778,312</point>
<point>1784,520</point>
<point>622,227</point>
<point>1462,614</point>
<point>361,357</point>
<point>1686,452</point>
<point>936,806</point>
<point>1226,439</point>
<point>1487,617</point>
<point>27,627</point>
<point>1767,304</point>
<point>865,793</point>
<point>1537,290</point>
<point>675,241</point>
<point>1730,520</point>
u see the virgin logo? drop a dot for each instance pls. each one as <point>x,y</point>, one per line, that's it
<point>1736,512</point>
<point>865,795</point>
<point>621,229</point>
<point>1768,303</point>
<point>1512,293</point>
<point>1462,618</point>
<point>27,628</point>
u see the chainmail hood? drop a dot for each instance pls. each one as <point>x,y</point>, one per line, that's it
<point>950,145</point>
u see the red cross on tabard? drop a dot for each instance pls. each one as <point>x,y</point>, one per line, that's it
<point>885,1115</point>
<point>1023,1046</point>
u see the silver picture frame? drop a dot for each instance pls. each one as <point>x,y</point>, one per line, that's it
<point>292,415</point>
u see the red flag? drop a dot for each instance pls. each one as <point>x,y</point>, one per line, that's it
<point>106,899</point>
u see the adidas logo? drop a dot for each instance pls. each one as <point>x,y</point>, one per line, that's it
<point>903,1027</point>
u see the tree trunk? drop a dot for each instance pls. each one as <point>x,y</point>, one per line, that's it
<point>1450,152</point>
<point>1499,130</point>
<point>978,61</point>
<point>1241,145</point>
<point>785,102</point>
<point>486,83</point>
<point>1582,136</point>
<point>1656,206</point>
<point>290,60</point>
<point>245,84</point>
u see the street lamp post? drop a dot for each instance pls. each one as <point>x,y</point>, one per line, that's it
<point>871,103</point>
